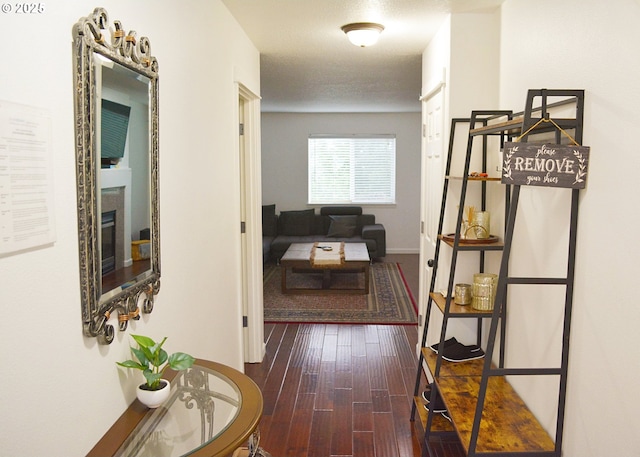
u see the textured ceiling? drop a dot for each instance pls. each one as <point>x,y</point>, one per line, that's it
<point>308,65</point>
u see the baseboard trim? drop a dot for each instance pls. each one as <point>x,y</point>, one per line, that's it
<point>403,251</point>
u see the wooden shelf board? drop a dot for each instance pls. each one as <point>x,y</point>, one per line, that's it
<point>458,310</point>
<point>476,246</point>
<point>474,178</point>
<point>439,423</point>
<point>507,423</point>
<point>512,127</point>
<point>449,369</point>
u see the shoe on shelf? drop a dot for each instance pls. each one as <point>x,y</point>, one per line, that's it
<point>426,393</point>
<point>453,342</point>
<point>437,404</point>
<point>461,353</point>
<point>449,342</point>
<point>439,407</point>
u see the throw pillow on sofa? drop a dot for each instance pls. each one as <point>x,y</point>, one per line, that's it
<point>269,220</point>
<point>342,226</point>
<point>296,223</point>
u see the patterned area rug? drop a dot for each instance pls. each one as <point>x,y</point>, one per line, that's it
<point>389,300</point>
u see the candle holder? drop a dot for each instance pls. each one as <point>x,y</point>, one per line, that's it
<point>484,291</point>
<point>480,224</point>
<point>463,295</point>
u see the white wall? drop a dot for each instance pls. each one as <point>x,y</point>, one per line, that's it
<point>51,374</point>
<point>473,75</point>
<point>464,54</point>
<point>470,72</point>
<point>591,45</point>
<point>284,165</point>
<point>436,58</point>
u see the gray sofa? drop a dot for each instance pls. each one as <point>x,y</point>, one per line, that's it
<point>334,223</point>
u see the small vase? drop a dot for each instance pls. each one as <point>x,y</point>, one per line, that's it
<point>154,398</point>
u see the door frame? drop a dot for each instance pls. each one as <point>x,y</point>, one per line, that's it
<point>251,297</point>
<point>432,168</point>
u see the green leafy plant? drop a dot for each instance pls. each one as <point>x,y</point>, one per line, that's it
<point>153,360</point>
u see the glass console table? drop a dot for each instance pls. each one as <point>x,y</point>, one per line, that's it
<point>212,410</point>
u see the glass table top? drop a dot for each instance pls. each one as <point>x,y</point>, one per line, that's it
<point>202,405</point>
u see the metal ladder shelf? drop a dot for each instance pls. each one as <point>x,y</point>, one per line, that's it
<point>487,415</point>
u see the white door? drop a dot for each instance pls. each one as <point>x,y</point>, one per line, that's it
<point>433,151</point>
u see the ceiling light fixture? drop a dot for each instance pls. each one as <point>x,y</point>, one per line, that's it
<point>363,33</point>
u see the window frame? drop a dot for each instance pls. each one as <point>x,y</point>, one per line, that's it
<point>386,169</point>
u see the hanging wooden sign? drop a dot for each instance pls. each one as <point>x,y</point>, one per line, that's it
<point>547,165</point>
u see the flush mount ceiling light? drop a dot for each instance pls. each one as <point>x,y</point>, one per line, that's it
<point>363,33</point>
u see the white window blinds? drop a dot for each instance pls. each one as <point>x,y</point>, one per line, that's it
<point>352,169</point>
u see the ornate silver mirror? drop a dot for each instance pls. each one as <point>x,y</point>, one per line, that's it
<point>116,115</point>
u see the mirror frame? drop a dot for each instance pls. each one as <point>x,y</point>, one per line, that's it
<point>135,54</point>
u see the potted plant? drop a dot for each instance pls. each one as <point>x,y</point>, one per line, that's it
<point>152,361</point>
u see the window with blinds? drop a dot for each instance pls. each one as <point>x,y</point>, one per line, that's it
<point>352,169</point>
<point>114,127</point>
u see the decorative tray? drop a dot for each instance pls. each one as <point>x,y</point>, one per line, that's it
<point>452,236</point>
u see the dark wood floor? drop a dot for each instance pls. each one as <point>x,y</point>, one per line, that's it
<point>123,275</point>
<point>342,390</point>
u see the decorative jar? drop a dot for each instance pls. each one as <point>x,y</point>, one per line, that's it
<point>462,294</point>
<point>484,291</point>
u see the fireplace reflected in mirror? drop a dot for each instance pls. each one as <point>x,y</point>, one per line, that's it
<point>120,267</point>
<point>108,242</point>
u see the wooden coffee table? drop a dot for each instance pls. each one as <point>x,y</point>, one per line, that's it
<point>298,256</point>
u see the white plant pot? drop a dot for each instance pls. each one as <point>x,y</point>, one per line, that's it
<point>154,398</point>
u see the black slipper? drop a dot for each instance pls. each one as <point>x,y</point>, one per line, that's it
<point>449,342</point>
<point>461,353</point>
<point>437,404</point>
<point>426,394</point>
<point>452,342</point>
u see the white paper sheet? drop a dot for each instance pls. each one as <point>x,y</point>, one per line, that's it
<point>26,182</point>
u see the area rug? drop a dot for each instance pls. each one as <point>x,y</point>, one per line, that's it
<point>389,300</point>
